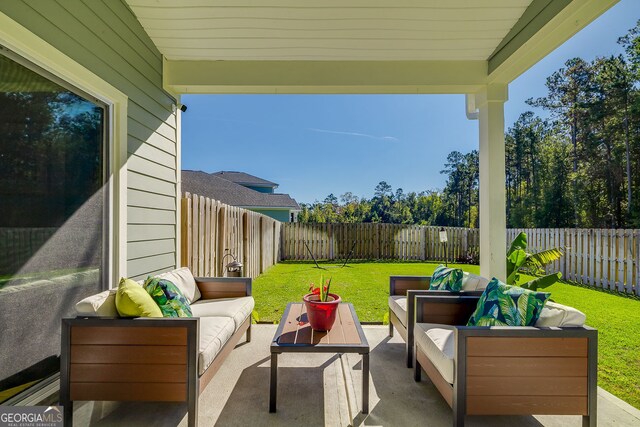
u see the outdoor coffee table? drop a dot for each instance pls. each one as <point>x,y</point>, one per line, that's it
<point>294,335</point>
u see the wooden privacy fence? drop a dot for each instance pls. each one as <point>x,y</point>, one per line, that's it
<point>211,229</point>
<point>608,259</point>
<point>375,241</point>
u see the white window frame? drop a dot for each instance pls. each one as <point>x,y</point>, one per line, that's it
<point>26,44</point>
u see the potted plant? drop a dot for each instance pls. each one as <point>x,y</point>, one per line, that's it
<point>321,306</point>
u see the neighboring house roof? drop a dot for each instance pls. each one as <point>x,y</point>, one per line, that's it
<point>213,186</point>
<point>245,179</point>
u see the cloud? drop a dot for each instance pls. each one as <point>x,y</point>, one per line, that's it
<point>357,134</point>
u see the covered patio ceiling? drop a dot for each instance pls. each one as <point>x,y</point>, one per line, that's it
<point>472,47</point>
<point>355,46</point>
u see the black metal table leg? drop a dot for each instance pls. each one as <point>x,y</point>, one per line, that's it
<point>365,383</point>
<point>273,387</point>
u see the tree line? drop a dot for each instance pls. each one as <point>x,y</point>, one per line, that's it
<point>577,165</point>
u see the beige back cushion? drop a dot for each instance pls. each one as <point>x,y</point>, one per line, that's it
<point>473,282</point>
<point>557,315</point>
<point>102,304</point>
<point>184,280</point>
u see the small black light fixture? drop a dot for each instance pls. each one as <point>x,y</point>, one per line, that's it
<point>444,240</point>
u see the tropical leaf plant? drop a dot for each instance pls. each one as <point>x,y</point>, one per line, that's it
<point>519,260</point>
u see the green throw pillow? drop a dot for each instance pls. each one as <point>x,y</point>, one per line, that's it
<point>171,301</point>
<point>446,279</point>
<point>133,301</point>
<point>504,305</point>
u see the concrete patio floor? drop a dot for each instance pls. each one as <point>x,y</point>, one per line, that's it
<point>317,390</point>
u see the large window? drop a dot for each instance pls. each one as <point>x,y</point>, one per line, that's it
<point>53,174</point>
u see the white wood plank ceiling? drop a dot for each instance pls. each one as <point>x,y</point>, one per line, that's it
<point>328,29</point>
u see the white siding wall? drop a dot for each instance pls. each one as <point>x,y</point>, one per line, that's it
<point>106,38</point>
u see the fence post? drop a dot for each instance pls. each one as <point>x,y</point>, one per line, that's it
<point>185,224</point>
<point>222,233</point>
<point>465,242</point>
<point>207,237</point>
<point>261,248</point>
<point>195,230</point>
<point>330,232</point>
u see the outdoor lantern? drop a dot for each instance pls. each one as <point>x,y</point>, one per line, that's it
<point>234,268</point>
<point>443,235</point>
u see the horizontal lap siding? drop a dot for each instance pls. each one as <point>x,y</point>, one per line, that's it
<point>106,38</point>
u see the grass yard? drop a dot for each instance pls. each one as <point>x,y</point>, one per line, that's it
<point>366,286</point>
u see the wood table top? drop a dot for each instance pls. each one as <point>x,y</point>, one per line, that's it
<point>295,333</point>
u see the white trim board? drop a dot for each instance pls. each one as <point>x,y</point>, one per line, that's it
<point>23,42</point>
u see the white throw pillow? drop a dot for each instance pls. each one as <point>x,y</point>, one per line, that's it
<point>554,314</point>
<point>102,304</point>
<point>473,282</point>
<point>184,280</point>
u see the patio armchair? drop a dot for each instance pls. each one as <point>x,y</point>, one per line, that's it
<point>542,370</point>
<point>402,293</point>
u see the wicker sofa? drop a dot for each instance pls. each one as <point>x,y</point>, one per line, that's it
<point>108,358</point>
<point>549,369</point>
<point>402,293</point>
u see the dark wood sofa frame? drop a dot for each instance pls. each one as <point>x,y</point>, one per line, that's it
<point>512,370</point>
<point>413,286</point>
<point>142,359</point>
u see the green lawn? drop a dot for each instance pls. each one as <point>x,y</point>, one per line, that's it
<point>366,285</point>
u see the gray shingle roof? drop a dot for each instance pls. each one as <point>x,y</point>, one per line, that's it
<point>244,179</point>
<point>213,186</point>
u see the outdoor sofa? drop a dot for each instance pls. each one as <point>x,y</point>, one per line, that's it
<point>402,293</point>
<point>108,358</point>
<point>549,369</point>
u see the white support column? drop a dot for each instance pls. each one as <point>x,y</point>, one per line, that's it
<point>493,220</point>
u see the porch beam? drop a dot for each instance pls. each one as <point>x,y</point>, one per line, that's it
<point>493,223</point>
<point>324,77</point>
<point>544,26</point>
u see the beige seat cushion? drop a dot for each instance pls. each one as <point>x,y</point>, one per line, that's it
<point>239,309</point>
<point>437,342</point>
<point>214,334</point>
<point>185,281</point>
<point>473,282</point>
<point>558,315</point>
<point>398,304</point>
<point>102,304</point>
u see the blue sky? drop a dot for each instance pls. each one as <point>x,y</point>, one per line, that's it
<point>313,145</point>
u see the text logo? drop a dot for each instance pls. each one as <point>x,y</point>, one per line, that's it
<point>31,416</point>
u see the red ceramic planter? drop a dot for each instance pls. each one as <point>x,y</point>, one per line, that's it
<point>321,315</point>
